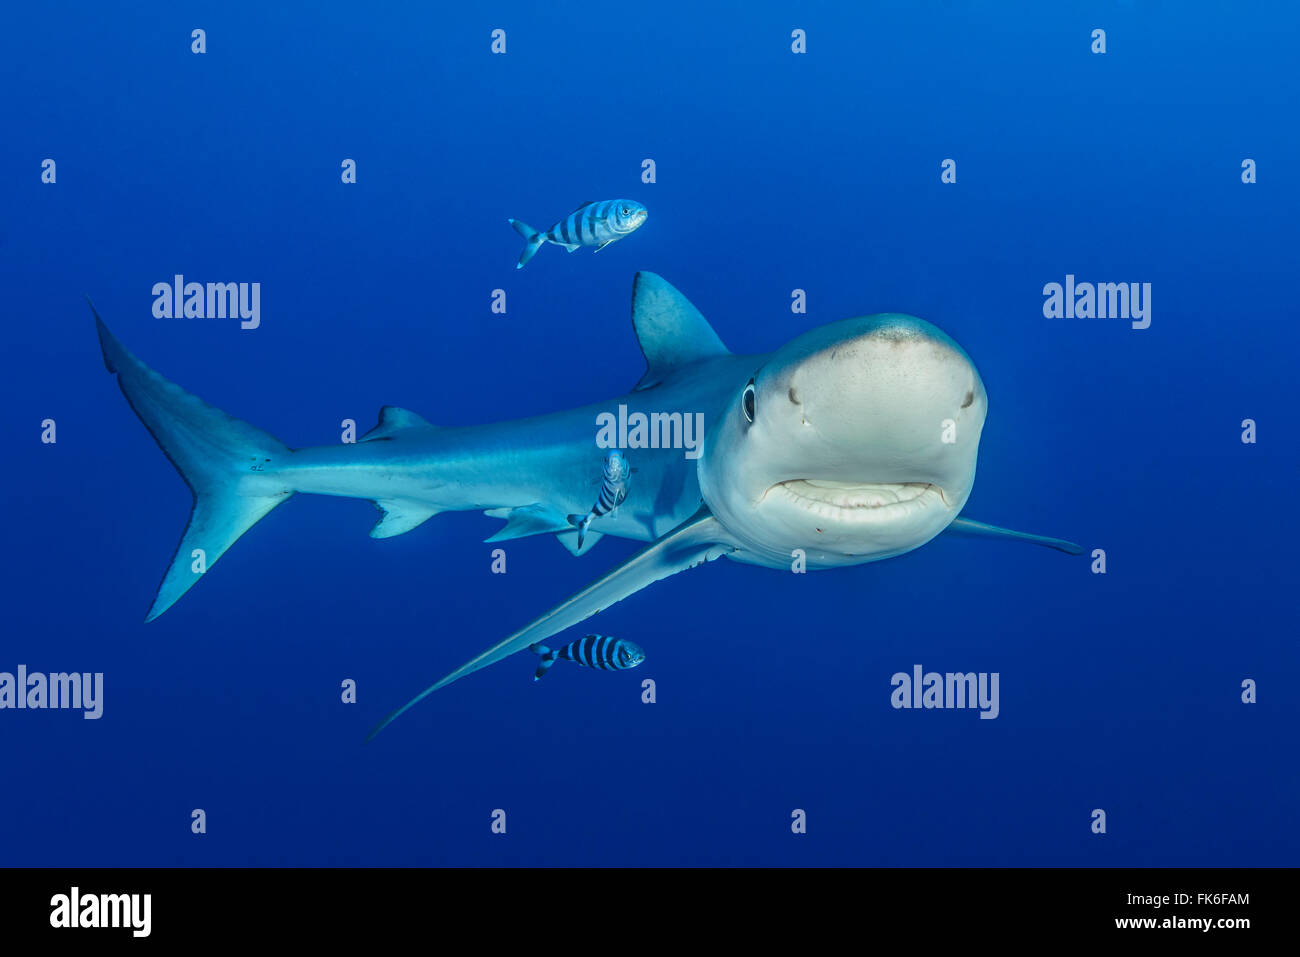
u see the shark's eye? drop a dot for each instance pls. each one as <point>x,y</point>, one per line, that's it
<point>747,401</point>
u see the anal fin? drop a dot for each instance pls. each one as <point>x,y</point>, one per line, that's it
<point>400,516</point>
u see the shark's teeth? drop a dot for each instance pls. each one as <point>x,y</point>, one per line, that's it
<point>863,500</point>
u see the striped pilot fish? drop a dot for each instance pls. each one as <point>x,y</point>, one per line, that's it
<point>613,489</point>
<point>593,651</point>
<point>591,224</point>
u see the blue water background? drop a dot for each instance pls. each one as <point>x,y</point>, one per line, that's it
<point>775,171</point>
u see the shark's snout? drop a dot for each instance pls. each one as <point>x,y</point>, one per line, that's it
<point>857,439</point>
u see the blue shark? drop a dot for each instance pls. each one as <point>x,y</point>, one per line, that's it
<point>854,442</point>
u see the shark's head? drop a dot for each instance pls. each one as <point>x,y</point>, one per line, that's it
<point>627,215</point>
<point>856,441</point>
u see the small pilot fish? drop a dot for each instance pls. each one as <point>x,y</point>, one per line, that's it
<point>593,651</point>
<point>591,224</point>
<point>613,490</point>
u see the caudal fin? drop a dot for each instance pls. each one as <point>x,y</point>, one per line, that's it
<point>580,522</point>
<point>229,465</point>
<point>532,241</point>
<point>547,659</point>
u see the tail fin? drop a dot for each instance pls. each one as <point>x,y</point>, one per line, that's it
<point>532,241</point>
<point>229,466</point>
<point>580,522</point>
<point>543,666</point>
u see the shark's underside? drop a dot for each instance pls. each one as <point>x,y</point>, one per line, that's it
<point>853,443</point>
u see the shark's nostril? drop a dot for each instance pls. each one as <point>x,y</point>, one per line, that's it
<point>970,397</point>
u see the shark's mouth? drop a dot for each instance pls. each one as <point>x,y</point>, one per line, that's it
<point>859,501</point>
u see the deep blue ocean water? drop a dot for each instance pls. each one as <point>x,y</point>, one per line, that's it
<point>775,171</point>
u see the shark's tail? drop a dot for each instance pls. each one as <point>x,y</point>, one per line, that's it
<point>229,465</point>
<point>532,241</point>
<point>547,659</point>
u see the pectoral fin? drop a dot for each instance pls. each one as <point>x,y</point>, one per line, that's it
<point>603,245</point>
<point>969,526</point>
<point>692,543</point>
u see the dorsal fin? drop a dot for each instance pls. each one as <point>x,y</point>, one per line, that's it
<point>670,330</point>
<point>583,205</point>
<point>393,420</point>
